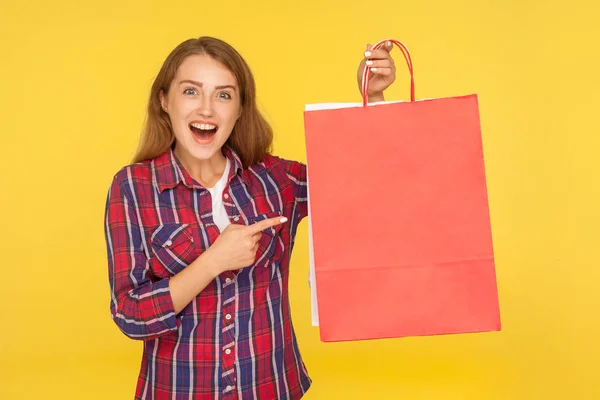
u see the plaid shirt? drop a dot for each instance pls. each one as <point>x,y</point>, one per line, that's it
<point>235,340</point>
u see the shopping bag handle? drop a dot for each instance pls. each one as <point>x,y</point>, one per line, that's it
<point>367,71</point>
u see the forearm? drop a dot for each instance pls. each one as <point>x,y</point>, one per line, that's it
<point>150,310</point>
<point>187,284</point>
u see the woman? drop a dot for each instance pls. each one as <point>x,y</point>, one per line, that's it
<point>200,230</point>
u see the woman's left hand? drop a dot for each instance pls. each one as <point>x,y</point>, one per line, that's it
<point>383,71</point>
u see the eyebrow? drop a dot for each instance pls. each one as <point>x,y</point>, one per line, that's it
<point>199,84</point>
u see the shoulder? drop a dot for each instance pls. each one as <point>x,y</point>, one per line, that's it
<point>138,172</point>
<point>133,175</point>
<point>274,172</point>
<point>272,162</point>
<point>295,171</point>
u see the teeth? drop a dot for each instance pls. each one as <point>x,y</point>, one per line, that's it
<point>204,127</point>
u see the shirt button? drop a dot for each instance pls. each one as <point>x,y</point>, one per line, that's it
<point>228,316</point>
<point>228,280</point>
<point>226,195</point>
<point>169,242</point>
<point>236,219</point>
<point>228,351</point>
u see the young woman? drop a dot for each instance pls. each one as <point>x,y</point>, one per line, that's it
<point>200,230</point>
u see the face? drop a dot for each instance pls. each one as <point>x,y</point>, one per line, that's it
<point>203,104</point>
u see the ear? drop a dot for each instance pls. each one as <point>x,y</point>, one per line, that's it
<point>163,101</point>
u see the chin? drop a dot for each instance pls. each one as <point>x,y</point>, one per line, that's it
<point>201,147</point>
<point>201,152</point>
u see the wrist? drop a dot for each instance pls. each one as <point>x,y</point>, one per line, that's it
<point>376,97</point>
<point>208,264</point>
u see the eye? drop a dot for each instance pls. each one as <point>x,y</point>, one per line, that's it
<point>189,91</point>
<point>224,95</point>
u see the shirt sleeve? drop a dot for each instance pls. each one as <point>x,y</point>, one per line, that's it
<point>141,308</point>
<point>296,172</point>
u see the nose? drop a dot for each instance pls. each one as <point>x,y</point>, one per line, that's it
<point>205,106</point>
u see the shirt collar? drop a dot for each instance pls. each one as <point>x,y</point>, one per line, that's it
<point>168,172</point>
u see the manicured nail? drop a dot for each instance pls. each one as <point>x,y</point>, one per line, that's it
<point>367,54</point>
<point>282,220</point>
<point>373,69</point>
<point>369,62</point>
<point>389,43</point>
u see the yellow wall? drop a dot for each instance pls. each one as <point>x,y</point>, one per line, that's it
<point>75,78</point>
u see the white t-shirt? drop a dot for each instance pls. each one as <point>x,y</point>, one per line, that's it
<point>218,208</point>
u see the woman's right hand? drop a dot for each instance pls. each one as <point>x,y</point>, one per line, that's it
<point>236,246</point>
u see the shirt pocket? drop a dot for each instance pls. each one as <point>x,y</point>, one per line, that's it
<point>173,249</point>
<point>270,246</point>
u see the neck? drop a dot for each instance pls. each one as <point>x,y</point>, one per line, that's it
<point>205,172</point>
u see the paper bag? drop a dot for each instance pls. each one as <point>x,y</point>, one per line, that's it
<point>401,242</point>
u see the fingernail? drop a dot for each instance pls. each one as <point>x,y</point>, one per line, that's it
<point>282,220</point>
<point>369,62</point>
<point>373,69</point>
<point>367,54</point>
<point>389,43</point>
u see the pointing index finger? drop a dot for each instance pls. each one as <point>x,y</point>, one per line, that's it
<point>264,224</point>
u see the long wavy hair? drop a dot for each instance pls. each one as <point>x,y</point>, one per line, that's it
<point>252,136</point>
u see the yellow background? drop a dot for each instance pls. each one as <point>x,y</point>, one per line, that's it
<point>75,77</point>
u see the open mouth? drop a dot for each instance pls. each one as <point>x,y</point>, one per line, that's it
<point>203,131</point>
